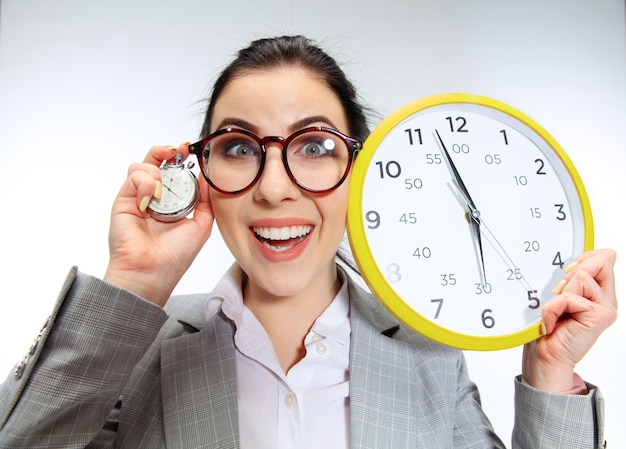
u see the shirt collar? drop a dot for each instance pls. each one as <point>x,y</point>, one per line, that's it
<point>227,295</point>
<point>333,323</point>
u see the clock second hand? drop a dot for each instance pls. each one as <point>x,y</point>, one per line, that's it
<point>474,213</point>
<point>505,256</point>
<point>171,191</point>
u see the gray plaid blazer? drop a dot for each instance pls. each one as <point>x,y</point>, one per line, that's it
<point>110,370</point>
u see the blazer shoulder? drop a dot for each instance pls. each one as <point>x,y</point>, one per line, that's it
<point>188,309</point>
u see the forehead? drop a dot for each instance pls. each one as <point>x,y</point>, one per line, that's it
<point>277,98</point>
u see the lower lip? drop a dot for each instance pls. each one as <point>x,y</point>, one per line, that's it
<point>281,256</point>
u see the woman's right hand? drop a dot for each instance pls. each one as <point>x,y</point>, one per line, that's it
<point>148,257</point>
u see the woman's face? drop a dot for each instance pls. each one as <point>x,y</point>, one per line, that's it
<point>277,103</point>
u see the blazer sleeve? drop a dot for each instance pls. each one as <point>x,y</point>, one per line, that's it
<point>557,421</point>
<point>60,394</point>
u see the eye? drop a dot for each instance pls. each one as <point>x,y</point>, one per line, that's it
<point>239,148</point>
<point>318,147</point>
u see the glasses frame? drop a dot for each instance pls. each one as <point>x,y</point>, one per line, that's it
<point>353,146</point>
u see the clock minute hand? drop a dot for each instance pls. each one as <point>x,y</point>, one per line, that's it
<point>456,174</point>
<point>474,213</point>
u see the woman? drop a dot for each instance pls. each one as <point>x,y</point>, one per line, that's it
<point>287,351</point>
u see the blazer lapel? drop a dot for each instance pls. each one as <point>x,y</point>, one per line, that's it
<point>198,382</point>
<point>382,379</point>
<point>199,388</point>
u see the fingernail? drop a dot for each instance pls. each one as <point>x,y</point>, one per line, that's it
<point>169,147</point>
<point>544,330</point>
<point>558,288</point>
<point>144,203</point>
<point>184,144</point>
<point>158,190</point>
<point>570,266</point>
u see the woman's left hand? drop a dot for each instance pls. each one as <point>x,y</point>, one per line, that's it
<point>585,306</point>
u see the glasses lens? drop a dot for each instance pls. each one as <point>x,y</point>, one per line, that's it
<point>232,160</point>
<point>318,159</point>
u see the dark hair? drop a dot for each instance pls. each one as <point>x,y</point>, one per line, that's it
<point>293,51</point>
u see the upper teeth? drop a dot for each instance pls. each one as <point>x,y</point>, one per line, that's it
<point>284,233</point>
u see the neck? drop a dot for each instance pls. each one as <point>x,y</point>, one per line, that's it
<point>288,319</point>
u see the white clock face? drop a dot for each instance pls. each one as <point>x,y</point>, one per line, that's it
<point>476,252</point>
<point>179,194</point>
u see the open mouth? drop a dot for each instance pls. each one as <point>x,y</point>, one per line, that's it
<point>281,239</point>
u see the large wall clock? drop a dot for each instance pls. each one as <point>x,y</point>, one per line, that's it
<point>462,213</point>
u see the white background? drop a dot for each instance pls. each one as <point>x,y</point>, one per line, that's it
<point>86,87</point>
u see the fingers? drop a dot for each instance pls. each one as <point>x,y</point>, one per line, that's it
<point>598,265</point>
<point>144,184</point>
<point>158,154</point>
<point>566,304</point>
<point>144,179</point>
<point>582,284</point>
<point>586,293</point>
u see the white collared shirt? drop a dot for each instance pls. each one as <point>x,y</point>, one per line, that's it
<point>306,408</point>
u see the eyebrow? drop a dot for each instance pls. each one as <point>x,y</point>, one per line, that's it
<point>303,123</point>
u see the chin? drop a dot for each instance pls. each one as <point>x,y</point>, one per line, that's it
<point>288,278</point>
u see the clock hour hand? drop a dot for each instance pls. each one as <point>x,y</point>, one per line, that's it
<point>474,213</point>
<point>475,223</point>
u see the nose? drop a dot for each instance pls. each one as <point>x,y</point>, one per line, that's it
<point>275,185</point>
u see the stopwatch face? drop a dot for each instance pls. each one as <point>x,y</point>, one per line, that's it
<point>179,195</point>
<point>463,212</point>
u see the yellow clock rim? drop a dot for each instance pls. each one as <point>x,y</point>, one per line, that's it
<point>362,252</point>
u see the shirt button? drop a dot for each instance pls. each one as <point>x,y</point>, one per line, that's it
<point>316,337</point>
<point>290,399</point>
<point>321,348</point>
